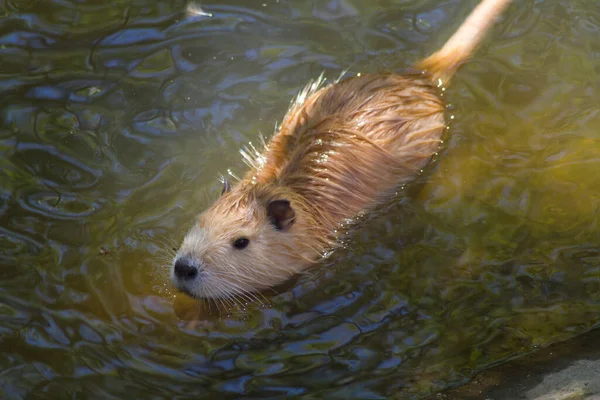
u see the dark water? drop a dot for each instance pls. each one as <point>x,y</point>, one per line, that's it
<point>116,119</point>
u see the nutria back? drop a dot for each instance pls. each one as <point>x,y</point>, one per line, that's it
<point>347,146</point>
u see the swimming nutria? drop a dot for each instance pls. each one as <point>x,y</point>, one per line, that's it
<point>341,149</point>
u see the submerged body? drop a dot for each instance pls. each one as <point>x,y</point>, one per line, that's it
<point>340,150</point>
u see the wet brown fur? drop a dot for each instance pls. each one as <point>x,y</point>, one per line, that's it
<point>349,145</point>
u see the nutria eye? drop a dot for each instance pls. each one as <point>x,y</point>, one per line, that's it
<point>241,243</point>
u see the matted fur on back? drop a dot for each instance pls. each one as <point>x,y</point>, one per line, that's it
<point>348,145</point>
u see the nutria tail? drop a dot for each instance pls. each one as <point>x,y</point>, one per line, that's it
<point>443,64</point>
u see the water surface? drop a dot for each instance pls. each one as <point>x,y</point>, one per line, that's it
<point>116,119</point>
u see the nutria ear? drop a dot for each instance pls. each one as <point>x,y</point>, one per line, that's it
<point>226,186</point>
<point>281,214</point>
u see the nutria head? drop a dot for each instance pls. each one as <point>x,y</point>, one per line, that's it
<point>250,239</point>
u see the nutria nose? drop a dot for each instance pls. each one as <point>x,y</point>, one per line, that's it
<point>185,269</point>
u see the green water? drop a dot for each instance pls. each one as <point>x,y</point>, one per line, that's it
<point>116,119</point>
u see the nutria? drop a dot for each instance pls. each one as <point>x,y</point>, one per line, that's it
<point>341,150</point>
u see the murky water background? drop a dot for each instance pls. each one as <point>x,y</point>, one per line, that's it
<point>116,119</point>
